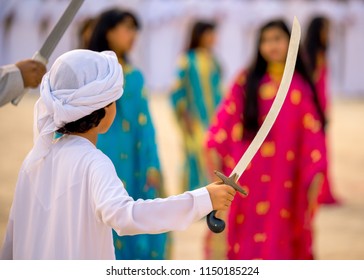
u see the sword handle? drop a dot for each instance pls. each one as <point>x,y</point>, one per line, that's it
<point>216,225</point>
<point>37,57</point>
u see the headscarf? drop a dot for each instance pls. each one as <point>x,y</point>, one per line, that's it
<point>79,83</point>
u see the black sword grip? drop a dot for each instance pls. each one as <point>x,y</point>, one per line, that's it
<point>216,225</point>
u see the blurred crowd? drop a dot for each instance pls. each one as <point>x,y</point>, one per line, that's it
<point>165,28</point>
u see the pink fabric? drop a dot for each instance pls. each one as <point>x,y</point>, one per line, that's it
<point>326,196</point>
<point>275,220</point>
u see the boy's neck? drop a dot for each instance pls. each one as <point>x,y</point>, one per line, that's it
<point>90,135</point>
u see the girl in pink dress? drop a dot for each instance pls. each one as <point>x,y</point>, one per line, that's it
<point>283,180</point>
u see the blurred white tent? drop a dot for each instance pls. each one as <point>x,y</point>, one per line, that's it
<point>24,24</point>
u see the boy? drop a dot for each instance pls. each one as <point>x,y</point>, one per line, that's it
<point>68,196</point>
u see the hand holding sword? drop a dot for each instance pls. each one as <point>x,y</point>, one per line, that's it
<point>217,225</point>
<point>31,71</point>
<point>52,40</point>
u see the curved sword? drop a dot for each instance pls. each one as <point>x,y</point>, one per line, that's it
<point>217,225</point>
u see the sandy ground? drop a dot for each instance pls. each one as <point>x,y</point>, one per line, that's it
<point>339,229</point>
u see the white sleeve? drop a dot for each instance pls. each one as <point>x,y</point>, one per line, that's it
<point>11,83</point>
<point>114,207</point>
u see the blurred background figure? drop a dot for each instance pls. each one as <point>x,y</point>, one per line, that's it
<point>316,47</point>
<point>275,221</point>
<point>85,32</point>
<point>130,142</point>
<point>195,96</point>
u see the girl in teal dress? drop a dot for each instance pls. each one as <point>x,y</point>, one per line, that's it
<point>130,142</point>
<point>195,96</point>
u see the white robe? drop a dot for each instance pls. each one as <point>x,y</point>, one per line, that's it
<point>65,206</point>
<point>11,83</point>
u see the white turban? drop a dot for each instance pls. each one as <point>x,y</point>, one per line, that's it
<point>79,83</point>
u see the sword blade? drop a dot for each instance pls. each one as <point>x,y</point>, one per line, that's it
<point>277,103</point>
<point>59,29</point>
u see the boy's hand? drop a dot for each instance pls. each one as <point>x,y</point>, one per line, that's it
<point>221,195</point>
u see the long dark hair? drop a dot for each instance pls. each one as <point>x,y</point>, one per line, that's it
<point>105,22</point>
<point>198,29</point>
<point>256,72</point>
<point>313,42</point>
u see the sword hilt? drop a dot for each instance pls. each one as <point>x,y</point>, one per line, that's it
<point>231,181</point>
<point>37,57</point>
<point>217,225</point>
<point>40,58</point>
